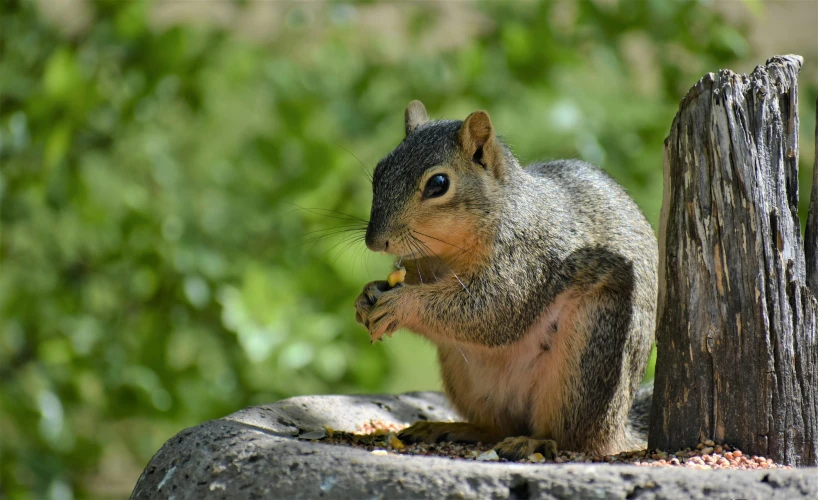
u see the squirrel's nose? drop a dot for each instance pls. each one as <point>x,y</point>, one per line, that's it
<point>377,245</point>
<point>374,241</point>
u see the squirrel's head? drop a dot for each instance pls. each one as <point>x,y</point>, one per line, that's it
<point>434,195</point>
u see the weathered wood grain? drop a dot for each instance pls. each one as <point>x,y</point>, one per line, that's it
<point>811,236</point>
<point>737,351</point>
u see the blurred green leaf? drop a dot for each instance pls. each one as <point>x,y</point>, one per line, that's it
<point>155,267</point>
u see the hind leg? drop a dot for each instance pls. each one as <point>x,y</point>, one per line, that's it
<point>607,342</point>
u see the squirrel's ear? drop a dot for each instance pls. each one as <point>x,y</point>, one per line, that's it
<point>415,116</point>
<point>478,141</point>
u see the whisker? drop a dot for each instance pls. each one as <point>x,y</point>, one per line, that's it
<point>349,243</point>
<point>408,243</point>
<point>317,211</point>
<point>351,227</point>
<point>366,173</point>
<point>334,232</point>
<point>420,242</point>
<point>362,255</point>
<point>344,237</point>
<point>436,239</point>
<point>345,240</point>
<point>365,256</point>
<point>461,353</point>
<point>425,255</point>
<point>425,260</point>
<point>415,243</point>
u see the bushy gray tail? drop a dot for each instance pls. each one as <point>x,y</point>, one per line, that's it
<point>639,416</point>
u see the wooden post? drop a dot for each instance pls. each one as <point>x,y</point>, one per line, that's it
<point>737,351</point>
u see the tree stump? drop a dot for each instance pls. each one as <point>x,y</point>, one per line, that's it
<point>737,352</point>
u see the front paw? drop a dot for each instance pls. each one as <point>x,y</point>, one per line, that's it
<point>377,309</point>
<point>518,448</point>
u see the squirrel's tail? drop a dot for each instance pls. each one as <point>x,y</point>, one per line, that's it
<point>639,416</point>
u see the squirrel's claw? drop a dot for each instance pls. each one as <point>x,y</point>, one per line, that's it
<point>384,318</point>
<point>376,309</point>
<point>378,329</point>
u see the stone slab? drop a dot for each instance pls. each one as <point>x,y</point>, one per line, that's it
<point>256,453</point>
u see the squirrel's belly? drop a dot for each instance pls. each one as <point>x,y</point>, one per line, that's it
<point>518,389</point>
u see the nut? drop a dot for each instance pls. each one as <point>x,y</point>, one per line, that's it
<point>396,276</point>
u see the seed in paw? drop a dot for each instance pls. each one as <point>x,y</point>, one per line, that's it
<point>396,276</point>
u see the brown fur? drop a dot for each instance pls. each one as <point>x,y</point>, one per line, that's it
<point>538,287</point>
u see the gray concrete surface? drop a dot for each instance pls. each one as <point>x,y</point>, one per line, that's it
<point>256,453</point>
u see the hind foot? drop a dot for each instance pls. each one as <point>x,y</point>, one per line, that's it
<point>518,448</point>
<point>437,432</point>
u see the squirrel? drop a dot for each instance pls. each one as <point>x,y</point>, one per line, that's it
<point>537,285</point>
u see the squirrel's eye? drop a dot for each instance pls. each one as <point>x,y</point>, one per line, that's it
<point>437,185</point>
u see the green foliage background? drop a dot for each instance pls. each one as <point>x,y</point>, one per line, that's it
<point>155,271</point>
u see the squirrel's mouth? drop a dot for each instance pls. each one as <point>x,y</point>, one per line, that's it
<point>423,270</point>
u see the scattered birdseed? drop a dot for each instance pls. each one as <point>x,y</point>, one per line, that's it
<point>489,456</point>
<point>395,443</point>
<point>379,427</point>
<point>380,438</point>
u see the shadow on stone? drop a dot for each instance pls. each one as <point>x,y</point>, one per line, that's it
<point>306,414</point>
<point>257,453</point>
